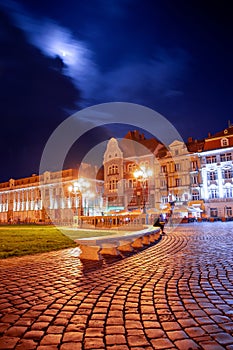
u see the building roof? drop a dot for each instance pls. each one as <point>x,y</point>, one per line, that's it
<point>136,144</point>
<point>219,140</point>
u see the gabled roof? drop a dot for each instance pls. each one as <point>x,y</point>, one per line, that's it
<point>195,145</point>
<point>135,144</point>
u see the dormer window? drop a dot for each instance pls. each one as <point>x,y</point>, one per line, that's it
<point>224,142</point>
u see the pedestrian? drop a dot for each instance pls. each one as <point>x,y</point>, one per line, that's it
<point>159,223</point>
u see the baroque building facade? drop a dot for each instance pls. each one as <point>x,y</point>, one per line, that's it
<point>47,198</point>
<point>139,175</point>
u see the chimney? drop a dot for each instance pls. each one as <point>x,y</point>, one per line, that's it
<point>190,139</point>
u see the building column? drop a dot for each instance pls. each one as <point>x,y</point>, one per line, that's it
<point>220,187</point>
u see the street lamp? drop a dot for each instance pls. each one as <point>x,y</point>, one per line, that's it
<point>75,190</point>
<point>142,175</point>
<point>80,189</point>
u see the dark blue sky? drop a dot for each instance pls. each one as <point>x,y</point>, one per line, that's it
<point>58,57</point>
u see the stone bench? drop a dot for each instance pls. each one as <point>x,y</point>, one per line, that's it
<point>95,248</point>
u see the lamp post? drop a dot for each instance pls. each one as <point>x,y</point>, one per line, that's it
<point>142,175</point>
<point>80,189</point>
<point>75,190</point>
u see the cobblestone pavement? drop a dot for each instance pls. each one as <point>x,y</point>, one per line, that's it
<point>177,294</point>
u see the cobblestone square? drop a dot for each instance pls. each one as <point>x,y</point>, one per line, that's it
<point>177,294</point>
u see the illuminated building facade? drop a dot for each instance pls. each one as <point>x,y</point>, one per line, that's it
<point>46,198</point>
<point>216,169</point>
<point>138,174</point>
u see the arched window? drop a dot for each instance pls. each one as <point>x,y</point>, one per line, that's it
<point>224,142</point>
<point>195,195</point>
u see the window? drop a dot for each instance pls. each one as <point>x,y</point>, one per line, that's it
<point>195,195</point>
<point>224,157</point>
<point>212,175</point>
<point>132,183</point>
<point>164,200</point>
<point>113,184</point>
<point>211,159</point>
<point>194,165</point>
<point>194,179</point>
<point>130,168</point>
<point>178,182</point>
<point>163,169</point>
<point>177,167</point>
<point>229,211</point>
<point>224,142</point>
<point>228,192</point>
<point>213,212</point>
<point>213,193</point>
<point>227,174</point>
<point>163,183</point>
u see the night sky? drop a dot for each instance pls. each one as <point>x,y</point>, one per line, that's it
<point>58,57</point>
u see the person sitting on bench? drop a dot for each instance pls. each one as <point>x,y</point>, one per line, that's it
<point>159,223</point>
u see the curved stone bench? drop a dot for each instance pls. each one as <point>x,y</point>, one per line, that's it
<point>95,248</point>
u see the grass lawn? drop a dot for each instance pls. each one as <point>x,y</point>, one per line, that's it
<point>17,240</point>
<point>22,240</point>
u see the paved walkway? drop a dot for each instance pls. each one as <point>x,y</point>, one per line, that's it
<point>177,294</point>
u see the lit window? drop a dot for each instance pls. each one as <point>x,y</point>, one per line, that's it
<point>224,142</point>
<point>163,169</point>
<point>213,193</point>
<point>227,174</point>
<point>228,193</point>
<point>213,212</point>
<point>194,180</point>
<point>224,157</point>
<point>211,159</point>
<point>177,167</point>
<point>195,195</point>
<point>229,211</point>
<point>212,175</point>
<point>194,165</point>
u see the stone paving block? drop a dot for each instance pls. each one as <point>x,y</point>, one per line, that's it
<point>118,347</point>
<point>94,332</point>
<point>153,333</point>
<point>194,331</point>
<point>115,339</point>
<point>176,335</point>
<point>223,338</point>
<point>93,343</point>
<point>71,346</point>
<point>51,339</point>
<point>15,331</point>
<point>26,344</point>
<point>137,340</point>
<point>211,345</point>
<point>8,342</point>
<point>35,335</point>
<point>162,343</point>
<point>115,330</point>
<point>47,347</point>
<point>186,344</point>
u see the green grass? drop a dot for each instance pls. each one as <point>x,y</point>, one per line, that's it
<point>22,240</point>
<point>17,240</point>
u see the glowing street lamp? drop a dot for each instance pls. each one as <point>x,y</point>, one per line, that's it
<point>142,175</point>
<point>75,190</point>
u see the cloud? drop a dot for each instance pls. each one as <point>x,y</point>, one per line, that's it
<point>135,79</point>
<point>142,82</point>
